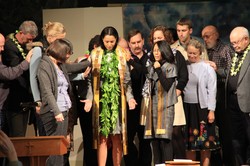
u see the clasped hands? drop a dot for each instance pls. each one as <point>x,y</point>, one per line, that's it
<point>157,64</point>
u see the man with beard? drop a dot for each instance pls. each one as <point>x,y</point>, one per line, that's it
<point>219,55</point>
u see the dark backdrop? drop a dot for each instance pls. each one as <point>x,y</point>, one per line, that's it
<point>226,13</point>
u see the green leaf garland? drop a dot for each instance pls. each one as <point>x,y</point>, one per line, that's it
<point>110,93</point>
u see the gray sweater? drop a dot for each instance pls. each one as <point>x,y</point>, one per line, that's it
<point>48,83</point>
<point>206,81</point>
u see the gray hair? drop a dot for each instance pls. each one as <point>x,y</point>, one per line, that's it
<point>29,27</point>
<point>197,44</point>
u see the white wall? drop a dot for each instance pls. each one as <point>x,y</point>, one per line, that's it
<point>81,25</point>
<point>84,23</point>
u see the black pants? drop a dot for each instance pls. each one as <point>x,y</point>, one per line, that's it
<point>142,156</point>
<point>90,154</point>
<point>53,128</point>
<point>40,128</point>
<point>178,142</point>
<point>17,122</point>
<point>163,150</point>
<point>240,132</point>
<point>222,119</point>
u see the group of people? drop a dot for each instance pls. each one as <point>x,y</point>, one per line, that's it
<point>183,99</point>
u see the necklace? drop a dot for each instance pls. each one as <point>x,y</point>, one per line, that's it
<point>110,93</point>
<point>233,71</point>
<point>20,49</point>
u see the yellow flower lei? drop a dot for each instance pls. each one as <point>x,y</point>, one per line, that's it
<point>20,49</point>
<point>233,71</point>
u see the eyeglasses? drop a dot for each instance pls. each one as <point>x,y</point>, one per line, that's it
<point>207,36</point>
<point>237,42</point>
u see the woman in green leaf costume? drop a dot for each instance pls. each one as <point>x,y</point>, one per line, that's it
<point>111,89</point>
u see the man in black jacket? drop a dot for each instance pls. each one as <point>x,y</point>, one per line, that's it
<point>19,88</point>
<point>137,65</point>
<point>9,73</point>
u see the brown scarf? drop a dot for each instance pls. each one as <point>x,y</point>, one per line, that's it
<point>96,57</point>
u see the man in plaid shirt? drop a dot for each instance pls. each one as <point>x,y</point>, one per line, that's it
<point>219,55</point>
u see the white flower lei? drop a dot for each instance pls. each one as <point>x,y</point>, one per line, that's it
<point>20,49</point>
<point>233,71</point>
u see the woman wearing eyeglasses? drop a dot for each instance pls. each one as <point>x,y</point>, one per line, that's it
<point>161,82</point>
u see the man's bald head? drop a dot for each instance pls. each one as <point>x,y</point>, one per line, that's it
<point>210,36</point>
<point>123,43</point>
<point>210,28</point>
<point>239,38</point>
<point>2,41</point>
<point>239,32</point>
<point>1,36</point>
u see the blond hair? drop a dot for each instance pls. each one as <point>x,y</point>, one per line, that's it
<point>196,44</point>
<point>54,28</point>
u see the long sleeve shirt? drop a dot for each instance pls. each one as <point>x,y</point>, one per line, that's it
<point>9,73</point>
<point>202,85</point>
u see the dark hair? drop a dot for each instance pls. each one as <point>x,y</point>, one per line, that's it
<point>94,41</point>
<point>109,30</point>
<point>132,33</point>
<point>167,34</point>
<point>185,21</point>
<point>174,33</point>
<point>59,49</point>
<point>166,51</point>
